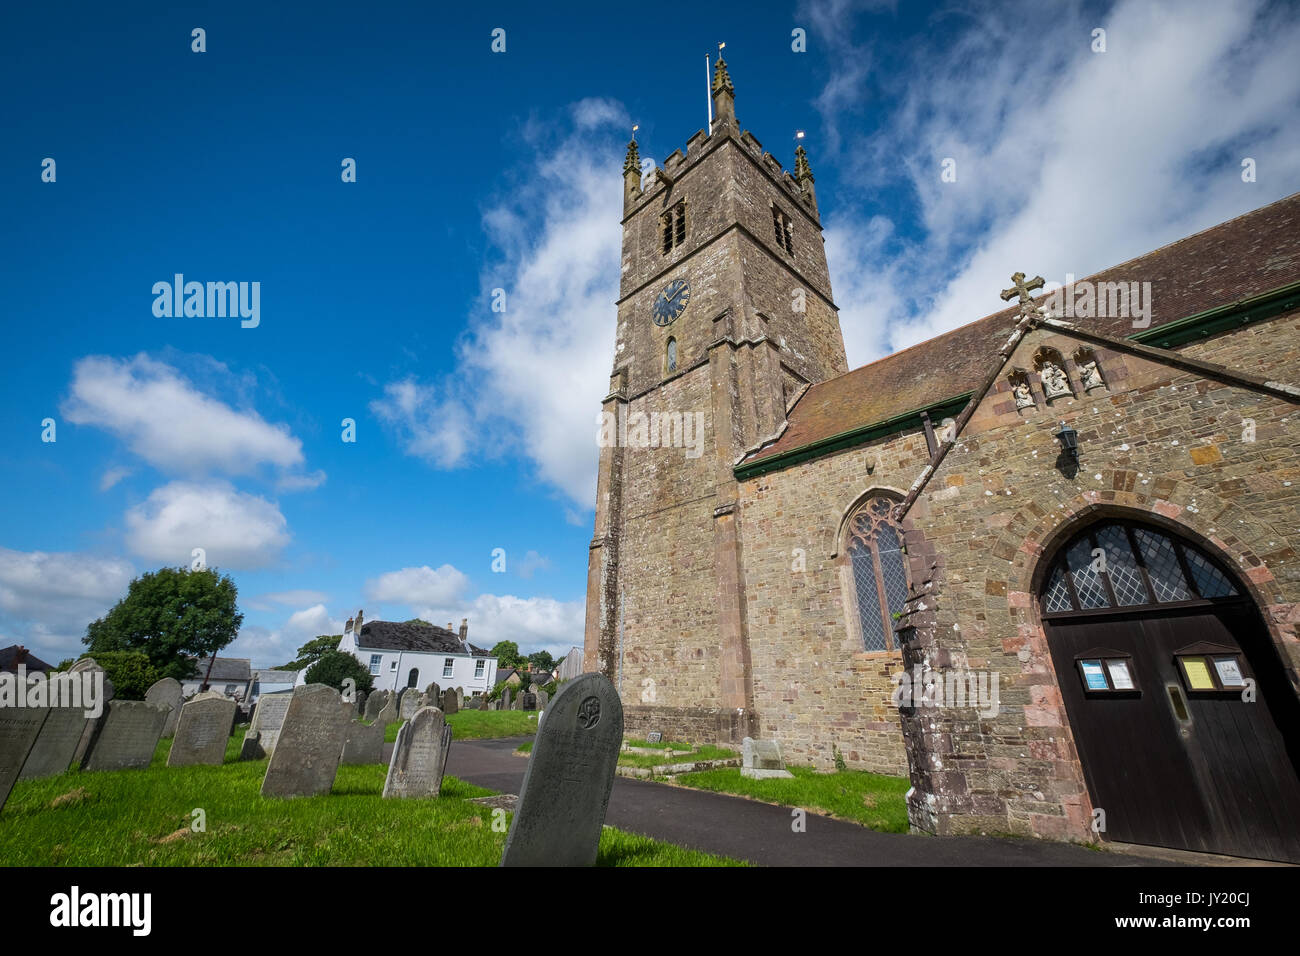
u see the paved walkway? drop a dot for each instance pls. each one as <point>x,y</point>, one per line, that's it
<point>760,833</point>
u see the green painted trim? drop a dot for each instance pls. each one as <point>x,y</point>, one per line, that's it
<point>852,438</point>
<point>1170,335</point>
<point>1222,318</point>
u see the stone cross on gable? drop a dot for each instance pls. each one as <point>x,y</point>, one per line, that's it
<point>1023,289</point>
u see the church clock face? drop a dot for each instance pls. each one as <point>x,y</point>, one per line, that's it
<point>672,302</point>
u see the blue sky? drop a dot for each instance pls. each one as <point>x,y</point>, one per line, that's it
<point>479,170</point>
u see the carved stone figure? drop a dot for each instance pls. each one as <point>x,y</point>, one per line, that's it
<point>1024,398</point>
<point>1055,382</point>
<point>1090,375</point>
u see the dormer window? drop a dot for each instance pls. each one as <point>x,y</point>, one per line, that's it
<point>784,230</point>
<point>673,224</point>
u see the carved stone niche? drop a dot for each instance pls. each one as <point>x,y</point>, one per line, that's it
<point>1020,390</point>
<point>1085,360</point>
<point>1051,372</point>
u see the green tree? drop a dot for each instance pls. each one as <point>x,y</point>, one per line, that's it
<point>507,655</point>
<point>169,615</point>
<point>541,660</point>
<point>334,667</point>
<point>131,673</point>
<point>313,651</point>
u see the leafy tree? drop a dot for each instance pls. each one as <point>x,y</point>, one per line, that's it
<point>541,660</point>
<point>313,651</point>
<point>334,667</point>
<point>169,615</point>
<point>507,655</point>
<point>131,673</point>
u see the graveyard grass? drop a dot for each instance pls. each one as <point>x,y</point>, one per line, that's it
<point>702,752</point>
<point>143,818</point>
<point>872,799</point>
<point>481,724</point>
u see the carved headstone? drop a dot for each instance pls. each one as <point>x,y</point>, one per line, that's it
<point>528,701</point>
<point>388,713</point>
<point>56,744</point>
<point>92,727</point>
<point>264,731</point>
<point>166,693</point>
<point>460,698</point>
<point>363,743</point>
<point>419,756</point>
<point>19,728</point>
<point>374,704</point>
<point>306,756</point>
<point>542,699</point>
<point>202,731</point>
<point>128,736</point>
<point>761,759</point>
<point>566,787</point>
<point>506,698</point>
<point>410,703</point>
<point>450,704</point>
<point>361,702</point>
<point>433,691</point>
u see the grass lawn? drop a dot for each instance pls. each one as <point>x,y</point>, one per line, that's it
<point>871,799</point>
<point>480,724</point>
<point>663,745</point>
<point>143,818</point>
<point>704,752</point>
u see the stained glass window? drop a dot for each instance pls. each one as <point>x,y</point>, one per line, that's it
<point>879,567</point>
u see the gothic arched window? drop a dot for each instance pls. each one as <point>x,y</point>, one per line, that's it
<point>878,568</point>
<point>671,361</point>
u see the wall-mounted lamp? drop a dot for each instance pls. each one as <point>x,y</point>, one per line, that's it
<point>1069,440</point>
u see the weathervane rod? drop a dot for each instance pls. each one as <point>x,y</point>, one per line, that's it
<point>708,91</point>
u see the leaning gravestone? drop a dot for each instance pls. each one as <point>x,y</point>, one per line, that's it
<point>306,756</point>
<point>374,704</point>
<point>264,731</point>
<point>92,727</point>
<point>127,738</point>
<point>61,733</point>
<point>505,698</point>
<point>363,743</point>
<point>388,713</point>
<point>450,704</point>
<point>570,773</point>
<point>202,731</point>
<point>419,756</point>
<point>543,699</point>
<point>166,693</point>
<point>410,704</point>
<point>19,728</point>
<point>433,691</point>
<point>761,759</point>
<point>460,698</point>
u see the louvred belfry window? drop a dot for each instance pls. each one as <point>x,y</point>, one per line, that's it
<point>878,567</point>
<point>1120,565</point>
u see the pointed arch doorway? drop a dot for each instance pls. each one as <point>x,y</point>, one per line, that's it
<point>1186,726</point>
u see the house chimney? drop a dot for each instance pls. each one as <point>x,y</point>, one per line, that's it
<point>449,627</point>
<point>464,630</point>
<point>20,655</point>
<point>347,628</point>
<point>356,625</point>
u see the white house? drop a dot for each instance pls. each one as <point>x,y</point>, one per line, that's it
<point>232,676</point>
<point>270,681</point>
<point>416,654</point>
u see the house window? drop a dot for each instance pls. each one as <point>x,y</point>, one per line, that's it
<point>375,661</point>
<point>393,667</point>
<point>673,225</point>
<point>671,363</point>
<point>879,572</point>
<point>447,665</point>
<point>784,230</point>
<point>478,668</point>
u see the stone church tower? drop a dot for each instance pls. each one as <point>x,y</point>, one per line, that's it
<point>725,318</point>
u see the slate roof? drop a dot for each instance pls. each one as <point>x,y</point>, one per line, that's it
<point>225,669</point>
<point>9,661</point>
<point>272,676</point>
<point>417,636</point>
<point>1243,257</point>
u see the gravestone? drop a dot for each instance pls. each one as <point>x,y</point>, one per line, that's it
<point>166,693</point>
<point>361,702</point>
<point>506,698</point>
<point>654,737</point>
<point>761,760</point>
<point>92,727</point>
<point>566,787</point>
<point>374,704</point>
<point>202,731</point>
<point>57,743</point>
<point>306,756</point>
<point>528,701</point>
<point>460,698</point>
<point>388,713</point>
<point>533,688</point>
<point>19,729</point>
<point>410,703</point>
<point>419,756</point>
<point>264,731</point>
<point>363,743</point>
<point>450,704</point>
<point>517,703</point>
<point>543,699</point>
<point>433,691</point>
<point>128,736</point>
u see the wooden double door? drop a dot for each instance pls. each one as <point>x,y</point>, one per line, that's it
<point>1186,725</point>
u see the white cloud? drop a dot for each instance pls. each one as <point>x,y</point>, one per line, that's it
<point>292,598</point>
<point>169,422</point>
<point>311,622</point>
<point>48,599</point>
<point>531,564</point>
<point>535,623</point>
<point>1067,160</point>
<point>268,647</point>
<point>530,379</point>
<point>417,586</point>
<point>235,529</point>
<point>111,477</point>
